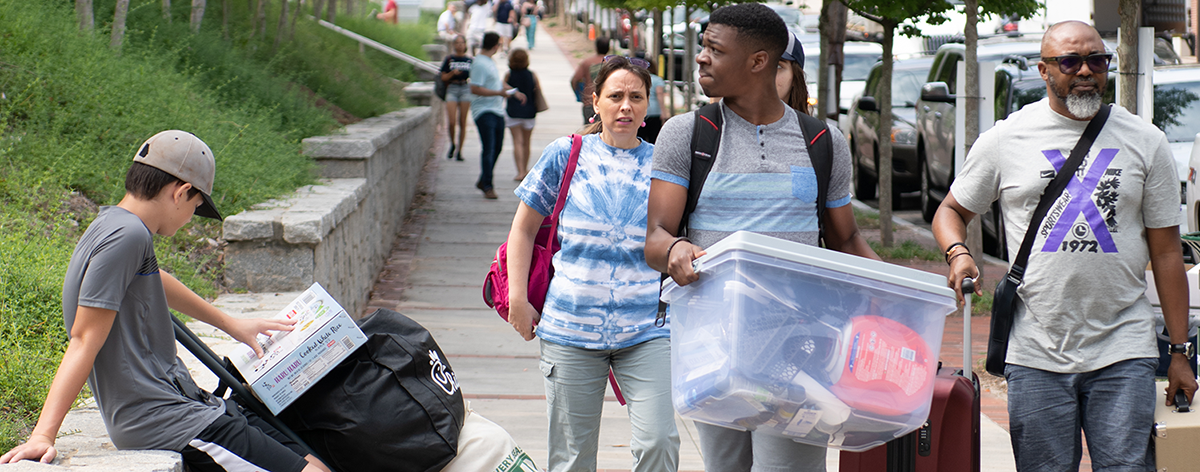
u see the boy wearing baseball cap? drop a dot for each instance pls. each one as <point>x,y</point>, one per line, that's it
<point>115,305</point>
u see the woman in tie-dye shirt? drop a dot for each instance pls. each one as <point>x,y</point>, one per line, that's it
<point>601,307</point>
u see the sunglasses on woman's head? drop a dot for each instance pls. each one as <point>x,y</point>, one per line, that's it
<point>1071,63</point>
<point>637,61</point>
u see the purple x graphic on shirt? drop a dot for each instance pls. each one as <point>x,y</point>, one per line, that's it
<point>1081,202</point>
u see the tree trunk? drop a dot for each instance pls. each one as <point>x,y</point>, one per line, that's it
<point>825,29</point>
<point>883,135</point>
<point>318,9</point>
<point>281,29</point>
<point>167,11</point>
<point>259,17</point>
<point>295,14</point>
<point>118,27</point>
<point>331,14</point>
<point>83,12</point>
<point>1131,15</point>
<point>225,19</point>
<point>971,110</point>
<point>262,18</point>
<point>671,62</point>
<point>833,35</point>
<point>198,14</point>
<point>656,47</point>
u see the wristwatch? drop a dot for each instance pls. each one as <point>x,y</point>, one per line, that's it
<point>1185,349</point>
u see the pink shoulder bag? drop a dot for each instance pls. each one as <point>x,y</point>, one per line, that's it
<point>495,286</point>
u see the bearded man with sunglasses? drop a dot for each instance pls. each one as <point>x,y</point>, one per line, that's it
<point>1082,351</point>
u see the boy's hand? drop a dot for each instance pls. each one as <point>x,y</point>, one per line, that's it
<point>247,330</point>
<point>37,448</point>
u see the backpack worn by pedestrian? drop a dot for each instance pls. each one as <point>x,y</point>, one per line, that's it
<point>706,141</point>
<point>393,405</point>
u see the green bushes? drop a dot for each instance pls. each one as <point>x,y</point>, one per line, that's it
<point>314,57</point>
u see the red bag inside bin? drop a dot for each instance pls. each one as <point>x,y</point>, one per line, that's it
<point>888,369</point>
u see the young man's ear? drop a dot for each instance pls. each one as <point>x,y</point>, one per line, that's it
<point>759,61</point>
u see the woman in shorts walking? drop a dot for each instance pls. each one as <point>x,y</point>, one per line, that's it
<point>521,116</point>
<point>456,72</point>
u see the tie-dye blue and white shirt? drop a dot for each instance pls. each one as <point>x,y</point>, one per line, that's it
<point>603,295</point>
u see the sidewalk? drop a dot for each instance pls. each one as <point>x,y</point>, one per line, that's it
<point>436,270</point>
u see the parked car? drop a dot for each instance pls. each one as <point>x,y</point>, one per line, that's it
<point>1177,113</point>
<point>907,78</point>
<point>860,57</point>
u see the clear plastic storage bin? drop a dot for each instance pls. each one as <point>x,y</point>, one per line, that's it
<point>822,347</point>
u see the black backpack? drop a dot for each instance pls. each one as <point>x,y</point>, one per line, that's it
<point>706,141</point>
<point>393,405</point>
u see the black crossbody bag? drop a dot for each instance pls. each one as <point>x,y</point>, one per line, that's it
<point>1004,301</point>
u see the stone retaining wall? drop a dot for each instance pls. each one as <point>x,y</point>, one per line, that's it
<point>339,231</point>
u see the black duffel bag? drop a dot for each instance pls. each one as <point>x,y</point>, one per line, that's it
<point>393,405</point>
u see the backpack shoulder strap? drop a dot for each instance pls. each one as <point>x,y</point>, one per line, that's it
<point>706,138</point>
<point>820,152</point>
<point>706,141</point>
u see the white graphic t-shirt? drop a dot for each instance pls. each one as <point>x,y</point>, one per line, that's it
<point>1083,303</point>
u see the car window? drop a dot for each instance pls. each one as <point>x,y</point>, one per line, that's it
<point>1025,92</point>
<point>1003,85</point>
<point>858,66</point>
<point>950,71</point>
<point>935,69</point>
<point>906,87</point>
<point>812,66</point>
<point>1177,110</point>
<point>872,87</point>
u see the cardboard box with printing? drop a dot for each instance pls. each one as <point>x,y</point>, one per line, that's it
<point>294,360</point>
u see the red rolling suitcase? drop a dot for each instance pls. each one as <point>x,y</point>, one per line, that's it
<point>949,440</point>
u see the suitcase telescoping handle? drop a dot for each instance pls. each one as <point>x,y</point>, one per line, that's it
<point>968,291</point>
<point>207,357</point>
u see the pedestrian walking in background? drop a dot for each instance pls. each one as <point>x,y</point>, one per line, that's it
<point>762,180</point>
<point>389,13</point>
<point>506,17</point>
<point>479,15</point>
<point>529,20</point>
<point>456,73</point>
<point>1081,352</point>
<point>487,108</point>
<point>789,77</point>
<point>582,81</point>
<point>447,24</point>
<point>522,114</point>
<point>657,112</point>
<point>594,321</point>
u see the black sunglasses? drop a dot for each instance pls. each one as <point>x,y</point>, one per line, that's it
<point>1071,63</point>
<point>637,61</point>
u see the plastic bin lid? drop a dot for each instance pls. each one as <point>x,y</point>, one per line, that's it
<point>825,258</point>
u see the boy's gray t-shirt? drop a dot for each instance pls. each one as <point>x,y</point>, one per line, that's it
<point>1083,305</point>
<point>762,179</point>
<point>137,378</point>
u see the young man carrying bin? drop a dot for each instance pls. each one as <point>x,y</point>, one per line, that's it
<point>762,180</point>
<point>115,305</point>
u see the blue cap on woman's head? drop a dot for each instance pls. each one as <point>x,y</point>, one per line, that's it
<point>794,51</point>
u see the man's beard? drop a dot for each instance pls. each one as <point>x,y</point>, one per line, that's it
<point>1082,104</point>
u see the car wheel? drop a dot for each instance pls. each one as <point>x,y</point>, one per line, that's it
<point>928,204</point>
<point>864,184</point>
